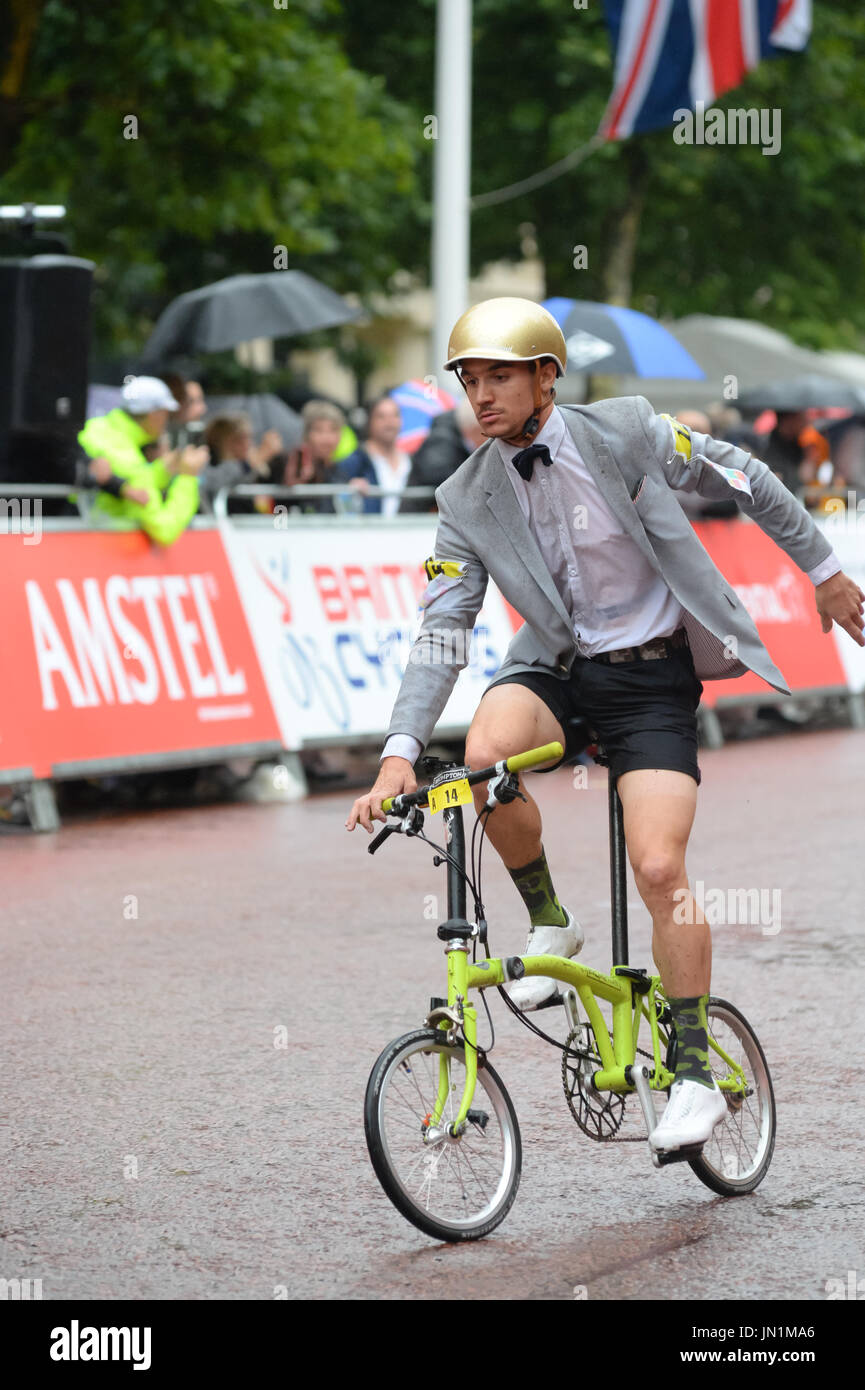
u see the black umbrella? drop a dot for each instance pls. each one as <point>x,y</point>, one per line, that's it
<point>279,304</point>
<point>807,392</point>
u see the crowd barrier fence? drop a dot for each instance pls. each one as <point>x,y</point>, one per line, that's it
<point>256,636</point>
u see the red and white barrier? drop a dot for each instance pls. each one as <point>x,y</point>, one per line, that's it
<point>112,649</point>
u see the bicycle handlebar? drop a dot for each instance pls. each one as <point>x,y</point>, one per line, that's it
<point>534,756</point>
<point>516,763</point>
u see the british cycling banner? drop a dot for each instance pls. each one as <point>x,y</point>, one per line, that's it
<point>111,647</point>
<point>334,613</point>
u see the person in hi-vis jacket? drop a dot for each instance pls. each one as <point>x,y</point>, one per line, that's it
<point>160,496</point>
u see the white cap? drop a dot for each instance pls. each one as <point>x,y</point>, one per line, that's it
<point>141,394</point>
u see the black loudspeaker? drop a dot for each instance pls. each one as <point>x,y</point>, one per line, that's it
<point>44,344</point>
<point>41,458</point>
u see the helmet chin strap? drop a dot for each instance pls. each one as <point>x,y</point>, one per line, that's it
<point>532,425</point>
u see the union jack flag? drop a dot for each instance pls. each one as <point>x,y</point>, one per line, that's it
<point>671,54</point>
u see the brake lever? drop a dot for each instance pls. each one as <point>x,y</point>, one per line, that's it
<point>380,838</point>
<point>411,824</point>
<point>502,789</point>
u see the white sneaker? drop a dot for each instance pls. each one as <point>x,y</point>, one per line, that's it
<point>690,1116</point>
<point>531,992</point>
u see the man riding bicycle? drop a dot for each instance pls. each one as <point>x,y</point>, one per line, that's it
<point>569,511</point>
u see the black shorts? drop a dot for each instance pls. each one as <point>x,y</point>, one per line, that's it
<point>643,712</point>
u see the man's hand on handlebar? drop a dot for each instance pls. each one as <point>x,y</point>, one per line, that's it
<point>396,776</point>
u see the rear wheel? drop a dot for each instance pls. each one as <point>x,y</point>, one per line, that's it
<point>451,1187</point>
<point>736,1157</point>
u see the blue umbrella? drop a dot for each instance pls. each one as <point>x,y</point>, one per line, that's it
<point>559,308</point>
<point>613,340</point>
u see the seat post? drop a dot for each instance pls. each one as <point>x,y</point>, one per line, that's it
<point>618,875</point>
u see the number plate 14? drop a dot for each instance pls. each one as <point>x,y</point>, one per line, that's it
<point>455,793</point>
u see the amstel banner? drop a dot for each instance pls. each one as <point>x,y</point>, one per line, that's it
<point>111,647</point>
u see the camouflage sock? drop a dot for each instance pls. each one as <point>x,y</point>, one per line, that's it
<point>537,892</point>
<point>692,1057</point>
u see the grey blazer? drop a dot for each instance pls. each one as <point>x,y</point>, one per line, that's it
<point>623,444</point>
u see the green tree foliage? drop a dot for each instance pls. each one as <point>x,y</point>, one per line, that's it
<point>720,229</point>
<point>190,138</point>
<point>303,127</point>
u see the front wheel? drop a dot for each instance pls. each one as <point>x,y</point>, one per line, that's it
<point>456,1188</point>
<point>737,1155</point>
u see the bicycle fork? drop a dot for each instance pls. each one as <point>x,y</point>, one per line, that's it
<point>458,1016</point>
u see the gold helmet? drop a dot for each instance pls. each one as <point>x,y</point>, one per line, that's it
<point>507,330</point>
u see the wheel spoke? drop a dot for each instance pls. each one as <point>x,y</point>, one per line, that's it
<point>464,1158</point>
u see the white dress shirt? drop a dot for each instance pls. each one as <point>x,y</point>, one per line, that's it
<point>392,480</point>
<point>613,595</point>
<point>609,587</point>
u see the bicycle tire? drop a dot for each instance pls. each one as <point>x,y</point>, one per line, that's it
<point>480,1169</point>
<point>736,1158</point>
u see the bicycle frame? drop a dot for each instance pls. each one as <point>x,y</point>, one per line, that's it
<point>631,993</point>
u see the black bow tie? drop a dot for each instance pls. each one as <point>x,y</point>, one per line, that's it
<point>524,461</point>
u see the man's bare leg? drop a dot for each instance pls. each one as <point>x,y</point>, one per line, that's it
<point>658,809</point>
<point>658,814</point>
<point>510,719</point>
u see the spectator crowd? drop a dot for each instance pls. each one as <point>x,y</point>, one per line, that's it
<point>159,458</point>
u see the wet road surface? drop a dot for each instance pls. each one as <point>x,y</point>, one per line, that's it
<point>193,1000</point>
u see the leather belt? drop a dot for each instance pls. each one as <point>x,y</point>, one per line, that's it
<point>647,651</point>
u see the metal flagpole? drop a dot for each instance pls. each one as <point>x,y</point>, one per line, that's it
<point>451,171</point>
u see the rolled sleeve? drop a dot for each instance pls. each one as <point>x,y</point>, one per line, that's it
<point>402,746</point>
<point>825,570</point>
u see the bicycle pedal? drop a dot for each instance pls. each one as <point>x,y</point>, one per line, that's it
<point>554,1001</point>
<point>677,1155</point>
